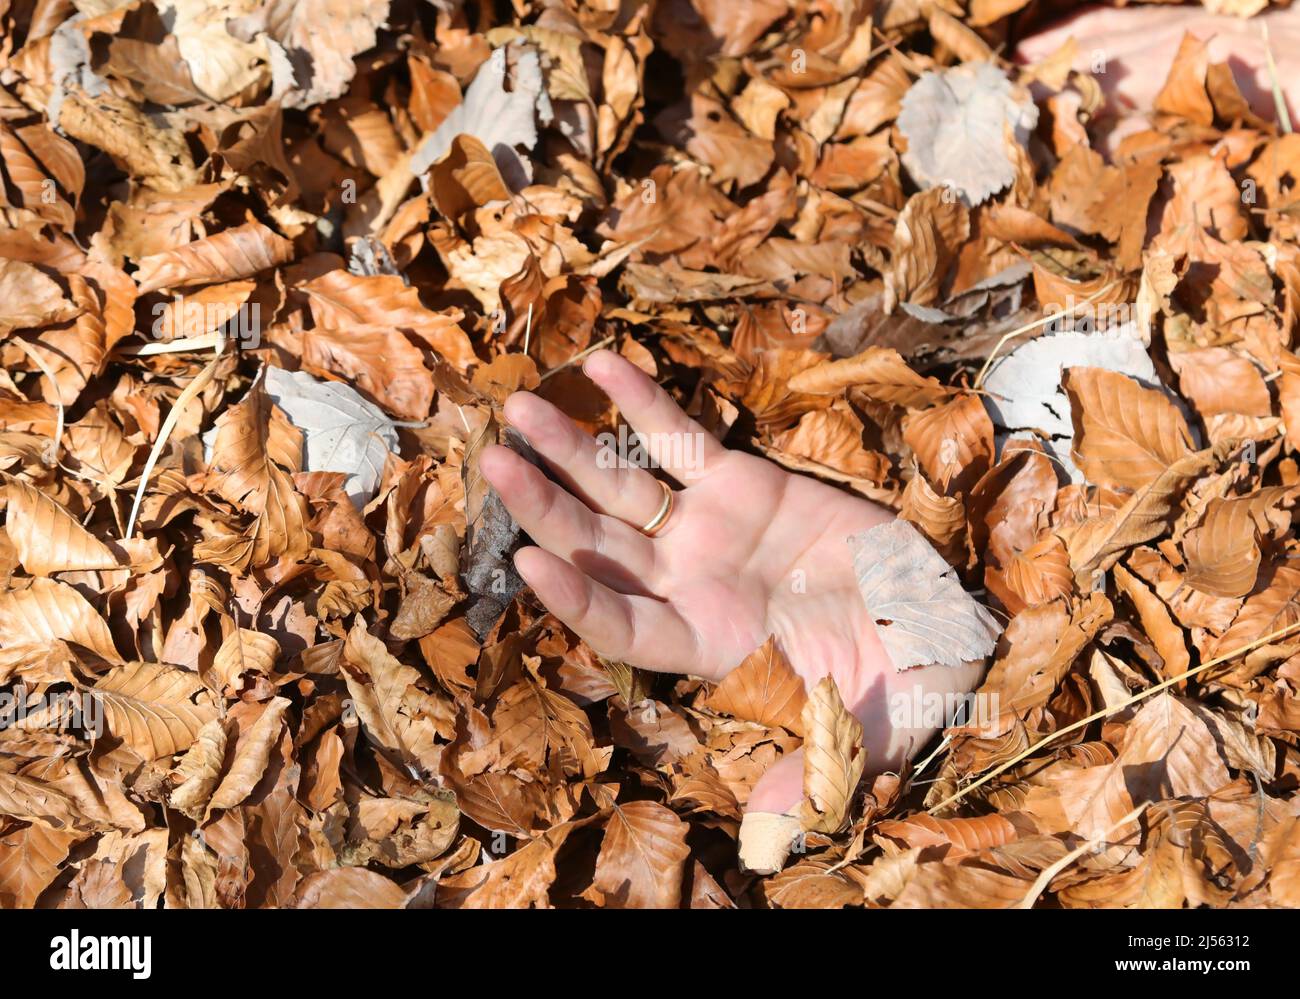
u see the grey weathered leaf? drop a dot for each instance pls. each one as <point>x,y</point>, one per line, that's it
<point>342,432</point>
<point>492,536</point>
<point>954,121</point>
<point>498,117</point>
<point>922,614</point>
<point>1025,392</point>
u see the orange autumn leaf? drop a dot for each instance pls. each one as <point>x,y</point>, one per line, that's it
<point>764,689</point>
<point>1124,435</point>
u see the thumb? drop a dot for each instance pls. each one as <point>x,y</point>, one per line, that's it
<point>771,825</point>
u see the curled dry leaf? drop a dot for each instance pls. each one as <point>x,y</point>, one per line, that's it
<point>252,754</point>
<point>1184,92</point>
<point>1222,553</point>
<point>348,888</point>
<point>1157,622</point>
<point>1275,607</point>
<point>834,760</point>
<point>878,372</point>
<point>44,611</point>
<point>1039,574</point>
<point>200,769</point>
<point>344,301</point>
<point>827,443</point>
<point>953,441</point>
<point>642,858</point>
<point>153,709</point>
<point>1124,435</point>
<point>31,298</point>
<point>962,837</point>
<point>387,366</point>
<point>316,42</point>
<point>46,537</point>
<point>492,535</point>
<point>1168,752</point>
<point>234,253</point>
<point>244,651</point>
<point>1218,380</point>
<point>942,519</point>
<point>1094,544</point>
<point>29,862</point>
<point>389,702</point>
<point>31,800</point>
<point>928,235</point>
<point>812,884</point>
<point>520,881</point>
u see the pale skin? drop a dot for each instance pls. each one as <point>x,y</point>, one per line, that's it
<point>749,551</point>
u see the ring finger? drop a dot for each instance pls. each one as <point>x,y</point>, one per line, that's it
<point>603,547</point>
<point>603,479</point>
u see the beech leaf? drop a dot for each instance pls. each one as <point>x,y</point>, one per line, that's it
<point>922,614</point>
<point>500,118</point>
<point>833,758</point>
<point>955,121</point>
<point>342,432</point>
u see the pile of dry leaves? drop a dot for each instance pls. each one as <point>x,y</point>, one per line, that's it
<point>269,268</point>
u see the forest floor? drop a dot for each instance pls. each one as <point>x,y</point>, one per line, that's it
<point>270,270</point>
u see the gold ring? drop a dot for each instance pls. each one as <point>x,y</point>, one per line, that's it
<point>656,523</point>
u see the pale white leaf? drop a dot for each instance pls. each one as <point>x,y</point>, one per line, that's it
<point>341,431</point>
<point>501,118</point>
<point>954,120</point>
<point>921,612</point>
<point>1025,393</point>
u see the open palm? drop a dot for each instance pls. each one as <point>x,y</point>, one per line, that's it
<point>750,550</point>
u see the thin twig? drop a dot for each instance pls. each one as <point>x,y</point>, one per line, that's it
<point>197,384</point>
<point>943,744</point>
<point>579,356</point>
<point>1279,101</point>
<point>979,379</point>
<point>1107,712</point>
<point>1045,878</point>
<point>188,343</point>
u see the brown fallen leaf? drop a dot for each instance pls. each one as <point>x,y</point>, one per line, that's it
<point>641,859</point>
<point>43,611</point>
<point>878,372</point>
<point>391,706</point>
<point>763,689</point>
<point>29,863</point>
<point>241,252</point>
<point>1124,435</point>
<point>154,709</point>
<point>46,537</point>
<point>1222,553</point>
<point>834,760</point>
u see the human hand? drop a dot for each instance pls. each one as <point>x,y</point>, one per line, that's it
<point>719,577</point>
